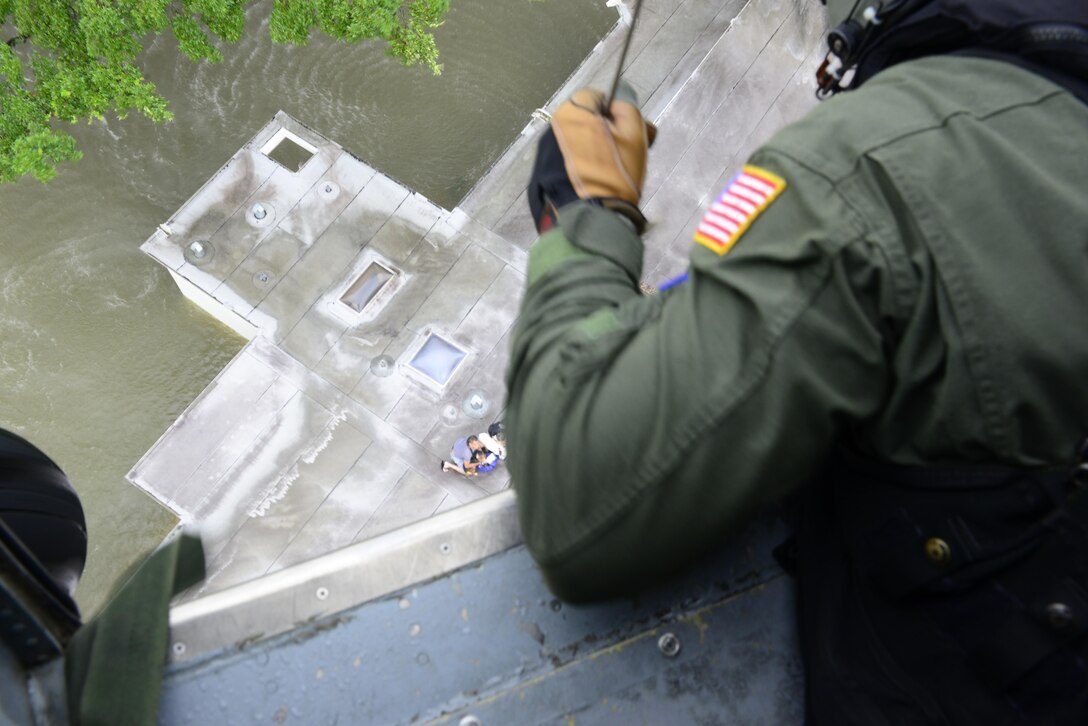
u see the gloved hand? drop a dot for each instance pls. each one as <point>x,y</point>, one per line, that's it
<point>588,155</point>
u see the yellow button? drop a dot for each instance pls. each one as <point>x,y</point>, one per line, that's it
<point>938,551</point>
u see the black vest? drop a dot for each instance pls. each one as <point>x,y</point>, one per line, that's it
<point>944,596</point>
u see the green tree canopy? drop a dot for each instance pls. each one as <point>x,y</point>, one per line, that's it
<point>77,59</point>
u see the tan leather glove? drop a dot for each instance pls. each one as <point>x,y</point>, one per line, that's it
<point>603,157</point>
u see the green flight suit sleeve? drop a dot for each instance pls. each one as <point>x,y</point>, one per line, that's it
<point>113,665</point>
<point>645,429</point>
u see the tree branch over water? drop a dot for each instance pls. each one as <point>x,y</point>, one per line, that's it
<point>79,59</point>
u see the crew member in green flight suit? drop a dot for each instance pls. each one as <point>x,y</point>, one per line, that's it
<point>882,318</point>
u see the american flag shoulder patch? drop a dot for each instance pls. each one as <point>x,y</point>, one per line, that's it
<point>750,192</point>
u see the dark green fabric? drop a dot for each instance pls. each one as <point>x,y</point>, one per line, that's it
<point>599,231</point>
<point>113,665</point>
<point>550,250</point>
<point>913,292</point>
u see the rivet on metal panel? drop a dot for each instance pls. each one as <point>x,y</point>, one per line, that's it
<point>1059,614</point>
<point>415,629</point>
<point>322,593</point>
<point>178,648</point>
<point>469,720</point>
<point>669,645</point>
<point>445,548</point>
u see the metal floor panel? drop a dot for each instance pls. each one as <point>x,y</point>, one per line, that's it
<point>489,642</point>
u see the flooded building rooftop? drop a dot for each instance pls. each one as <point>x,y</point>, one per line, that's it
<point>376,323</point>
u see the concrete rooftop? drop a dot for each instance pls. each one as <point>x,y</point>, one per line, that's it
<point>319,433</point>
